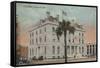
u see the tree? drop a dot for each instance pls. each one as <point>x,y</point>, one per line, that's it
<point>62,28</point>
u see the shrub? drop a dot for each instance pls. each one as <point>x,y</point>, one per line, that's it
<point>40,58</point>
<point>34,58</point>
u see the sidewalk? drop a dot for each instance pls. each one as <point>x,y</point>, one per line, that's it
<point>63,60</point>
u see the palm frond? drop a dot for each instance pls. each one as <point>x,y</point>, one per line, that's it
<point>58,32</point>
<point>72,30</point>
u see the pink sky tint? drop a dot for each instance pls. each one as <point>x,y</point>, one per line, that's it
<point>23,37</point>
<point>90,34</point>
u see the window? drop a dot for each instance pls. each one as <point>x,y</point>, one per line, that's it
<point>82,34</point>
<point>58,50</point>
<point>76,49</point>
<point>45,49</point>
<point>40,31</point>
<point>36,33</point>
<point>32,51</point>
<point>45,29</point>
<point>68,49</point>
<point>69,40</point>
<point>87,50</point>
<point>45,39</point>
<point>82,49</point>
<point>72,48</point>
<point>90,49</point>
<point>79,40</point>
<point>53,29</point>
<point>36,40</point>
<point>79,34</point>
<point>38,49</point>
<point>73,40</point>
<point>53,51</point>
<point>32,34</point>
<point>82,41</point>
<point>79,49</point>
<point>40,39</point>
<point>32,41</point>
<point>93,50</point>
<point>54,40</point>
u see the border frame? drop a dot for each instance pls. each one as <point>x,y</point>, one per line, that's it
<point>13,32</point>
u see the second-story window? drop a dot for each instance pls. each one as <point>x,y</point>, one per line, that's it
<point>45,29</point>
<point>53,29</point>
<point>79,34</point>
<point>40,31</point>
<point>32,41</point>
<point>54,40</point>
<point>40,39</point>
<point>79,40</point>
<point>82,41</point>
<point>36,40</point>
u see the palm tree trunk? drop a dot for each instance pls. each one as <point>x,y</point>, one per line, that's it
<point>65,46</point>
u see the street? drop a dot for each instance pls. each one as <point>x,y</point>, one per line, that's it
<point>63,60</point>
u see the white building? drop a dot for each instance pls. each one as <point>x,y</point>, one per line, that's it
<point>91,50</point>
<point>43,41</point>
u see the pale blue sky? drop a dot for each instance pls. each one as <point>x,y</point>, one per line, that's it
<point>29,14</point>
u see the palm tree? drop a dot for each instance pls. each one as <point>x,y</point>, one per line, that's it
<point>62,28</point>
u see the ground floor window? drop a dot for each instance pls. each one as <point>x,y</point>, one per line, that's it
<point>53,49</point>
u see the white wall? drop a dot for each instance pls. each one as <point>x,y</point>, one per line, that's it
<point>5,34</point>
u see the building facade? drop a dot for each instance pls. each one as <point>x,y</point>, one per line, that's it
<point>91,50</point>
<point>43,41</point>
